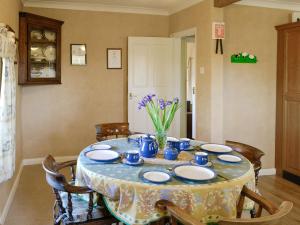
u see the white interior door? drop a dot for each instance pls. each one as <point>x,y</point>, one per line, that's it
<point>153,68</point>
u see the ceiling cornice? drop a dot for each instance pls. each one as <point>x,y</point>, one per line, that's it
<point>274,4</point>
<point>75,5</point>
<point>94,7</point>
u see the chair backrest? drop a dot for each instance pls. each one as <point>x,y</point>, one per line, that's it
<point>275,217</point>
<point>55,179</point>
<point>106,130</point>
<point>251,153</point>
<point>58,182</point>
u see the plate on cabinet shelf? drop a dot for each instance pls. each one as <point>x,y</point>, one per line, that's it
<point>50,53</point>
<point>36,34</point>
<point>50,35</point>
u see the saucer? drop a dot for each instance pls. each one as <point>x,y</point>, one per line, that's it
<point>209,164</point>
<point>138,163</point>
<point>156,177</point>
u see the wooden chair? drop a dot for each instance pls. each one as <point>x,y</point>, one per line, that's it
<point>106,130</point>
<point>275,217</point>
<point>69,208</point>
<point>251,153</point>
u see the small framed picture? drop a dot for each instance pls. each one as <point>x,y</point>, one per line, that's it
<point>78,54</point>
<point>114,58</point>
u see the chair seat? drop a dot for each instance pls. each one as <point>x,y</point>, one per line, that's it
<point>80,211</point>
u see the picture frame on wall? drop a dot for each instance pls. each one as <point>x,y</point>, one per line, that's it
<point>78,54</point>
<point>114,58</point>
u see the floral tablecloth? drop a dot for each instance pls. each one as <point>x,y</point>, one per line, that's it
<point>132,200</point>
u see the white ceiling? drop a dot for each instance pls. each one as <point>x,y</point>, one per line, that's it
<point>158,7</point>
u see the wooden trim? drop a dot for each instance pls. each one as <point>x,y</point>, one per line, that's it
<point>287,26</point>
<point>279,103</point>
<point>223,3</point>
<point>37,17</point>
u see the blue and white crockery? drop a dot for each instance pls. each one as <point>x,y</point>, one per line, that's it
<point>156,177</point>
<point>201,158</point>
<point>173,142</point>
<point>230,158</point>
<point>149,147</point>
<point>170,153</point>
<point>184,144</point>
<point>105,156</point>
<point>138,163</point>
<point>216,148</point>
<point>132,156</point>
<point>189,172</point>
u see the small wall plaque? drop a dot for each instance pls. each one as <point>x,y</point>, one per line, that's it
<point>114,58</point>
<point>78,54</point>
<point>243,58</point>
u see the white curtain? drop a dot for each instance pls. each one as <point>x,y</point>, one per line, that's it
<point>7,105</point>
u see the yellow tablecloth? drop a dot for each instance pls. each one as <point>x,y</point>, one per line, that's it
<point>133,201</point>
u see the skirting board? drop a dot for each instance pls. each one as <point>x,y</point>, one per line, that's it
<point>36,161</point>
<point>25,162</point>
<point>11,195</point>
<point>267,172</point>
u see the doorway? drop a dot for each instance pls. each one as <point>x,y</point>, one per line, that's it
<point>188,81</point>
<point>190,78</point>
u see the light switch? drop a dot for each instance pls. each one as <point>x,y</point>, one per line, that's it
<point>202,70</point>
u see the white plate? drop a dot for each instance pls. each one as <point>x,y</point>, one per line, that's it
<point>230,158</point>
<point>50,53</point>
<point>185,139</point>
<point>102,155</point>
<point>36,34</point>
<point>101,147</point>
<point>172,139</point>
<point>156,176</point>
<point>51,36</point>
<point>194,173</point>
<point>216,148</point>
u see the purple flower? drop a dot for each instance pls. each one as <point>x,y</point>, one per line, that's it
<point>176,100</point>
<point>169,103</point>
<point>145,100</point>
<point>162,104</point>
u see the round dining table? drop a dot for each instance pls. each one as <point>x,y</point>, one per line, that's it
<point>132,200</point>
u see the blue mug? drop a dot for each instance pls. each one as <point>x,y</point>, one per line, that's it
<point>201,158</point>
<point>132,156</point>
<point>174,144</point>
<point>184,144</point>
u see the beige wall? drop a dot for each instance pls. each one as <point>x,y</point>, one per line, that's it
<point>250,89</point>
<point>199,17</point>
<point>9,11</point>
<point>235,101</point>
<point>60,119</point>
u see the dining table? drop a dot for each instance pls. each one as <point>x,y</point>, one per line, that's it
<point>132,200</point>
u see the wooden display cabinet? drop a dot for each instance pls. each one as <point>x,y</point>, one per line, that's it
<point>39,50</point>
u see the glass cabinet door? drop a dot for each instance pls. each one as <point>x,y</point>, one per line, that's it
<point>42,53</point>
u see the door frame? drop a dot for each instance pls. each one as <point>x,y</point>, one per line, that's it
<point>183,34</point>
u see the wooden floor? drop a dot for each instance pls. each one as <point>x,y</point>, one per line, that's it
<point>33,200</point>
<point>278,189</point>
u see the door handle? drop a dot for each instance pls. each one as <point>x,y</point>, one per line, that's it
<point>131,95</point>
